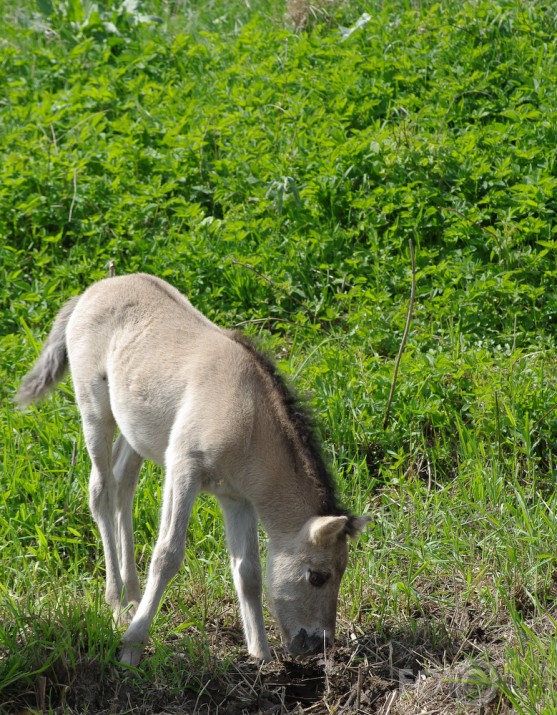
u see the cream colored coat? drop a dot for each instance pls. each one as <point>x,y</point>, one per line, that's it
<point>209,407</point>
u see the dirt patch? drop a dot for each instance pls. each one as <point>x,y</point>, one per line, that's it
<point>339,683</point>
<point>395,672</point>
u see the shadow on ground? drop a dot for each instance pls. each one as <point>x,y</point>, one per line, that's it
<point>392,672</point>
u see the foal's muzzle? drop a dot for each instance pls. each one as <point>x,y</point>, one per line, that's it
<point>304,644</point>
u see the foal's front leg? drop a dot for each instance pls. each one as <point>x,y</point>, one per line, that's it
<point>243,545</point>
<point>181,488</point>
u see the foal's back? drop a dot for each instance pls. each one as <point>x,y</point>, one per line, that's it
<point>141,355</point>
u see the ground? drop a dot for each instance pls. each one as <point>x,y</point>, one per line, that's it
<point>397,672</point>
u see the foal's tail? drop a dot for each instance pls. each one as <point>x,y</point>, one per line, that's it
<point>52,364</point>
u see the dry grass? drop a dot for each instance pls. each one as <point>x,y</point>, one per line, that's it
<point>303,14</point>
<point>391,671</point>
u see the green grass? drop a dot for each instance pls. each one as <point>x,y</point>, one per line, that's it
<point>276,175</point>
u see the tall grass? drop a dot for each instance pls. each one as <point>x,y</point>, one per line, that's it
<point>275,175</point>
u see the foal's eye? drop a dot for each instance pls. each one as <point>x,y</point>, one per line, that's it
<point>318,578</point>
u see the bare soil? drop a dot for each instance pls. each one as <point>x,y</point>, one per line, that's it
<point>396,672</point>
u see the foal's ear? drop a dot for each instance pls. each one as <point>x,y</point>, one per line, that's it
<point>356,524</point>
<point>323,530</point>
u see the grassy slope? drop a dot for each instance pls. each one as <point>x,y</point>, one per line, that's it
<point>276,177</point>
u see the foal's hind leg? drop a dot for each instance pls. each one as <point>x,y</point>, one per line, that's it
<point>181,488</point>
<point>99,427</point>
<point>126,464</point>
<point>99,433</point>
<point>243,546</point>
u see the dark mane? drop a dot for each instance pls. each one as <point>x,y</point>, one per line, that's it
<point>299,428</point>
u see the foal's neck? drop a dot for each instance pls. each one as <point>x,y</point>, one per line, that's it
<point>287,502</point>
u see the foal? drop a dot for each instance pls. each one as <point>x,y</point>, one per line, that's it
<point>208,406</point>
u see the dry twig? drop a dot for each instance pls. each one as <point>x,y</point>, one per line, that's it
<point>404,336</point>
<point>74,195</point>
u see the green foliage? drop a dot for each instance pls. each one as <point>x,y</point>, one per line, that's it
<point>276,177</point>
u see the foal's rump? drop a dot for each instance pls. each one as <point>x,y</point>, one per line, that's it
<point>144,358</point>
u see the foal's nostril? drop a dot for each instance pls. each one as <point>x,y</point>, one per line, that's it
<point>303,644</point>
<point>297,645</point>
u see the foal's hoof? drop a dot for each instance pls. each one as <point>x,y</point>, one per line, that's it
<point>261,655</point>
<point>130,655</point>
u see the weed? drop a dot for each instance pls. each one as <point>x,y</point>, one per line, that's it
<point>276,176</point>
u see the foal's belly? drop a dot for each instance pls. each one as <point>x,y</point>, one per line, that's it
<point>145,427</point>
<point>146,444</point>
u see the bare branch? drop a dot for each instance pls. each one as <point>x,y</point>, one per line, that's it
<point>404,336</point>
<point>74,195</point>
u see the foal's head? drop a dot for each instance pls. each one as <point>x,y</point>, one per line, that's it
<point>304,577</point>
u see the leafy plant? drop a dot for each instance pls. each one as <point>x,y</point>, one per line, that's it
<point>275,175</point>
